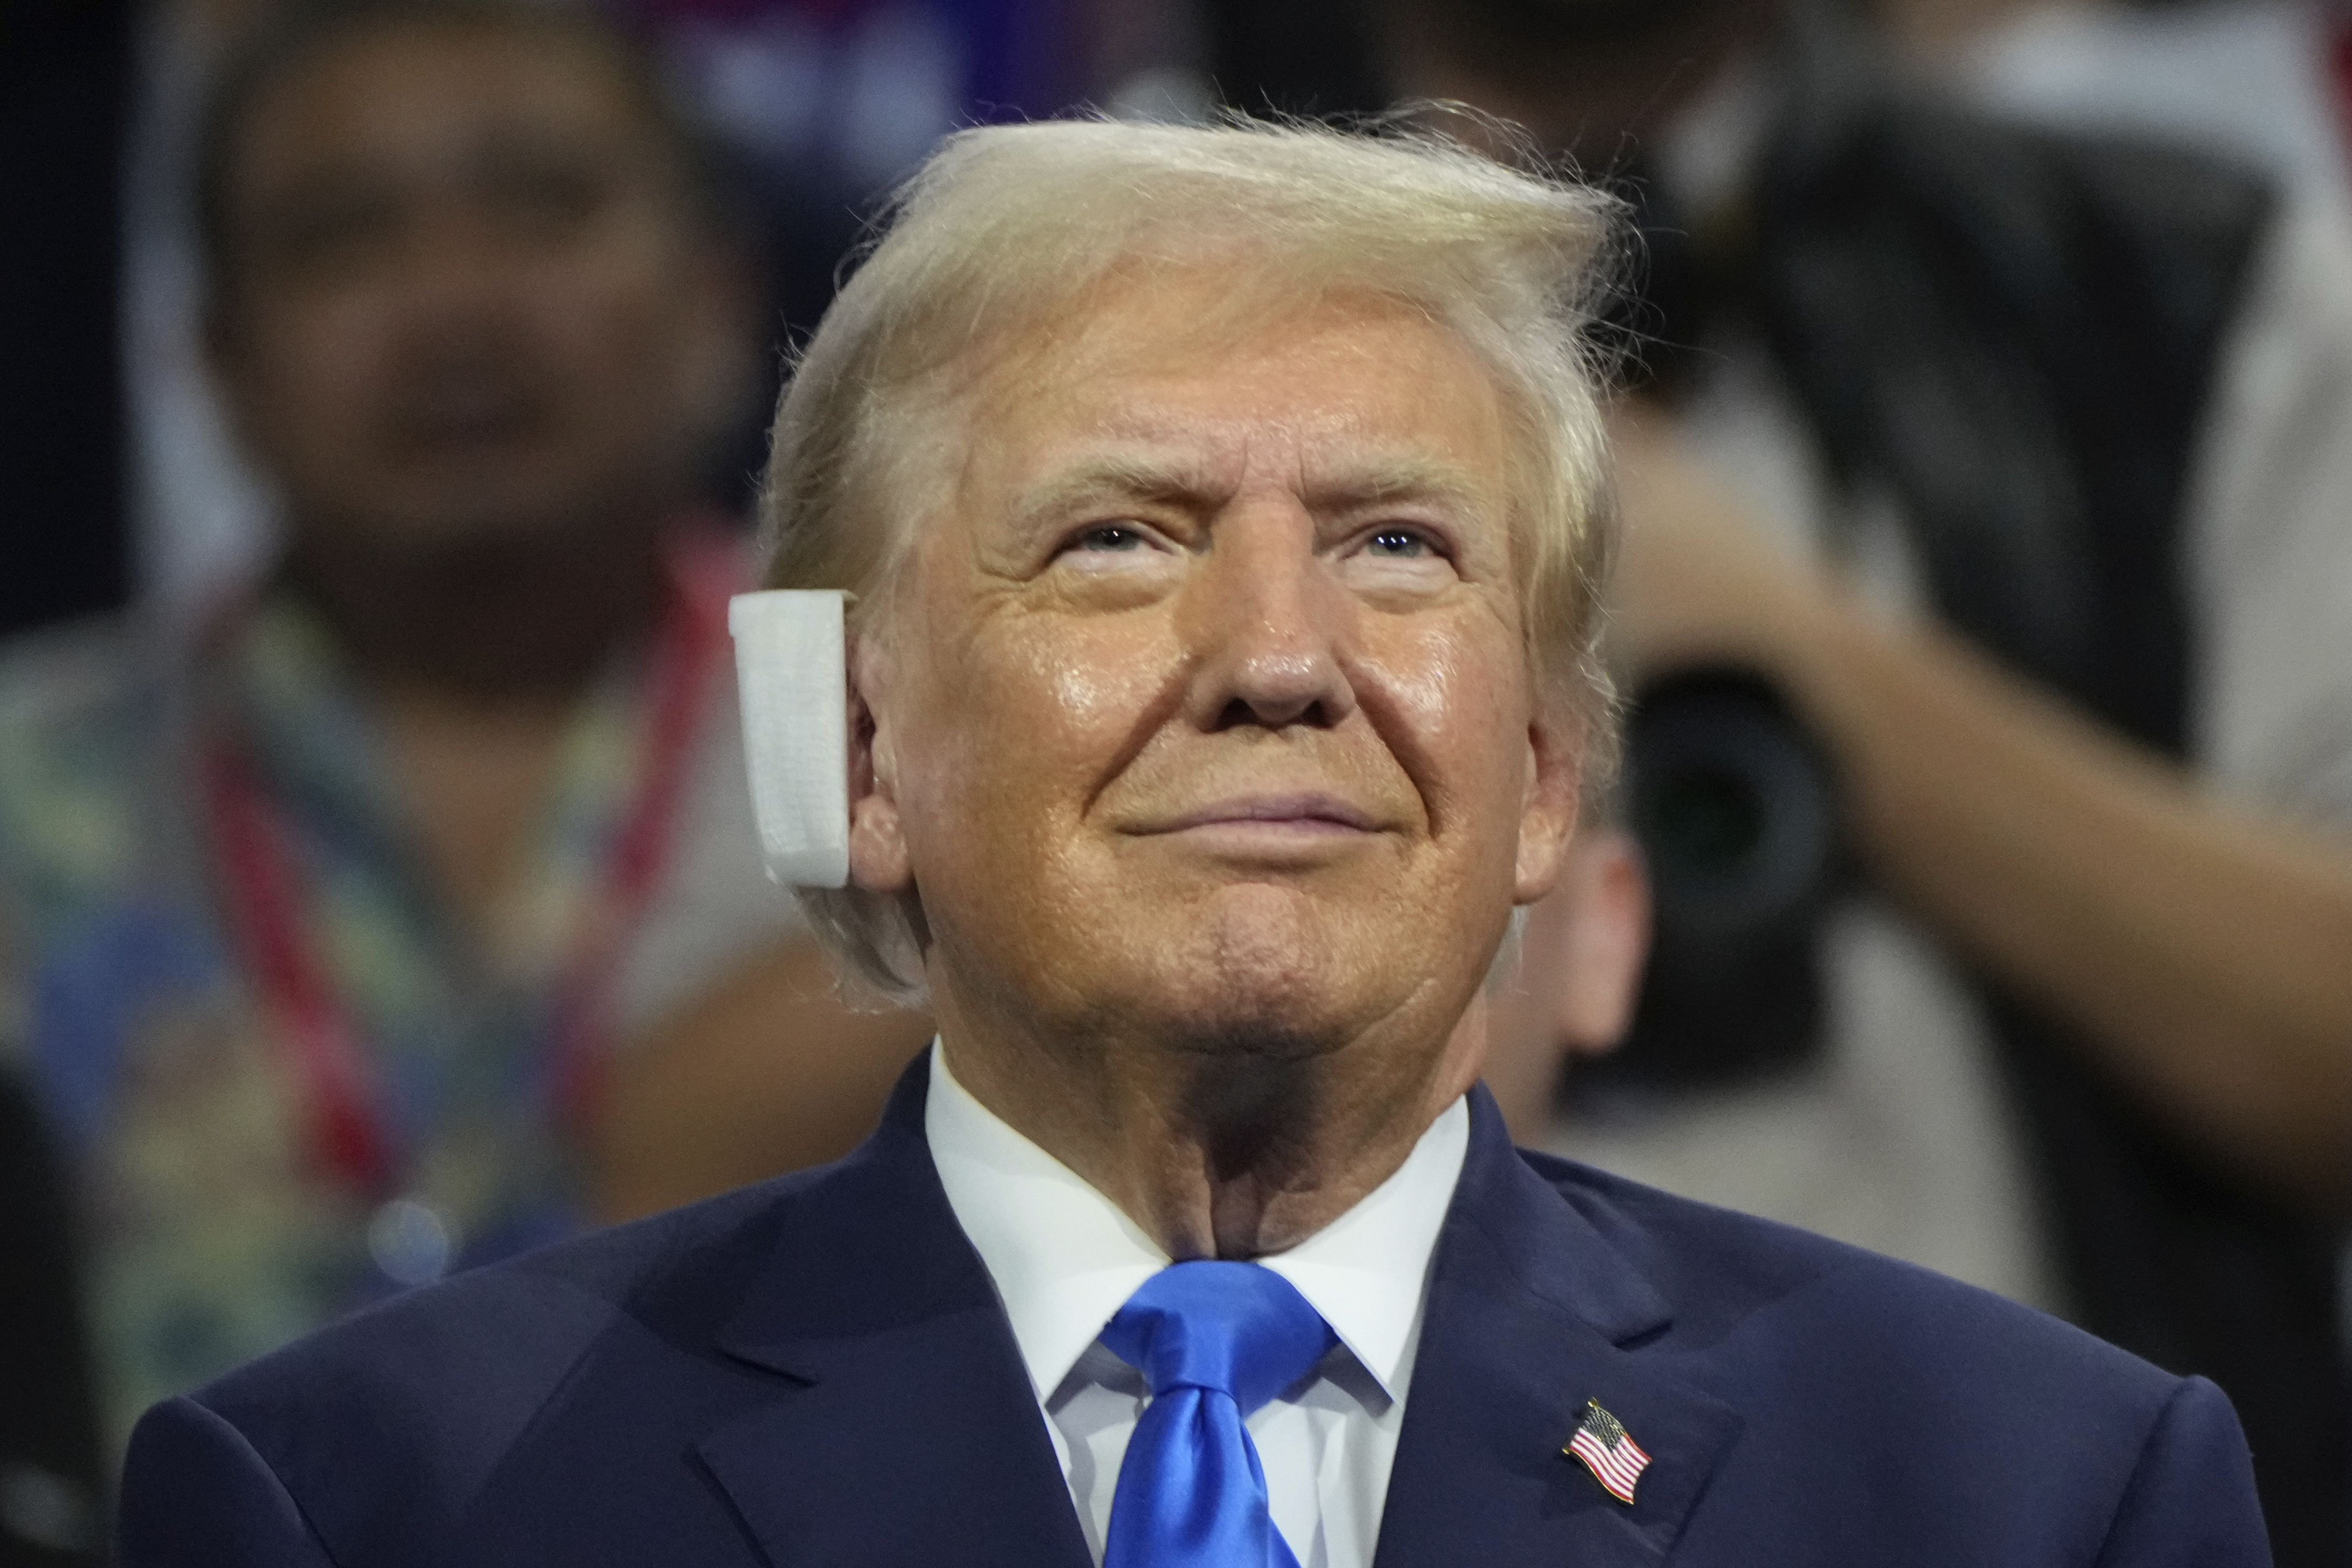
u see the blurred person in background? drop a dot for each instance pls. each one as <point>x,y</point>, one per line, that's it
<point>817,107</point>
<point>2013,465</point>
<point>1567,993</point>
<point>358,934</point>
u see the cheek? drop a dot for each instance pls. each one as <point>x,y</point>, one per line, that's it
<point>314,366</point>
<point>1065,703</point>
<point>1097,693</point>
<point>1036,714</point>
<point>613,313</point>
<point>1423,681</point>
<point>1453,700</point>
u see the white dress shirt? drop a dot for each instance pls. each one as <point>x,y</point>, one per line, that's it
<point>1065,1259</point>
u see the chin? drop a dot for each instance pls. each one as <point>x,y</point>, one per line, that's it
<point>1270,973</point>
<point>484,526</point>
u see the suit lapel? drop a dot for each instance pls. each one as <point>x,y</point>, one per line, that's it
<point>904,1429</point>
<point>1530,1313</point>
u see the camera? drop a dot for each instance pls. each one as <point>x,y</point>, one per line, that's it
<point>1736,810</point>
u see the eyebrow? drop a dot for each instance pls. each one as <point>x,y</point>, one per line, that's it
<point>1121,478</point>
<point>1396,479</point>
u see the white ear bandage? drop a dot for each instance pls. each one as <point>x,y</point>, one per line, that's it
<point>792,669</point>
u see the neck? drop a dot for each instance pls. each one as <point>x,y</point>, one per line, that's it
<point>510,624</point>
<point>472,780</point>
<point>1227,1148</point>
<point>472,658</point>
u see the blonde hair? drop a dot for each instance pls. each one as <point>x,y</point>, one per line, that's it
<point>1007,231</point>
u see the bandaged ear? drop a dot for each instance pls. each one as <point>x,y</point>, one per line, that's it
<point>791,668</point>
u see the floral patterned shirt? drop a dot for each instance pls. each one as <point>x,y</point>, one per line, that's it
<point>214,1230</point>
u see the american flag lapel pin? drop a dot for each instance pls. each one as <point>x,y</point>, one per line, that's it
<point>1615,1460</point>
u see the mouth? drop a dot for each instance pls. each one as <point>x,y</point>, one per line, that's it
<point>457,420</point>
<point>1310,814</point>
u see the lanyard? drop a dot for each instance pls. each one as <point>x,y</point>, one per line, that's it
<point>350,1127</point>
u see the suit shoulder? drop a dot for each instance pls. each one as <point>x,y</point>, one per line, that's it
<point>459,1368</point>
<point>432,1396</point>
<point>1886,1405</point>
<point>1723,1272</point>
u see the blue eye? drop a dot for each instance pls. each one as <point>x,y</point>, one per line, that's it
<point>1110,536</point>
<point>1398,543</point>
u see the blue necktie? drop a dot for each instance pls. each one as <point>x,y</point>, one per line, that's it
<point>1216,1341</point>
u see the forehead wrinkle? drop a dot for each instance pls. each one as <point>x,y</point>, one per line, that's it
<point>1324,481</point>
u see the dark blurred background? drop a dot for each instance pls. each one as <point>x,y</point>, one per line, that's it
<point>1947,291</point>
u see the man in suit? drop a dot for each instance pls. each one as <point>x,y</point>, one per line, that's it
<point>1225,510</point>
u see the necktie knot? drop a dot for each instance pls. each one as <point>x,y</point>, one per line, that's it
<point>1237,1329</point>
<point>1216,1341</point>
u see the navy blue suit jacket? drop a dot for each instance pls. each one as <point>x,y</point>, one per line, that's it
<point>816,1371</point>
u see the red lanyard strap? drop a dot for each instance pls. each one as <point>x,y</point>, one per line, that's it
<point>266,921</point>
<point>706,569</point>
<point>264,907</point>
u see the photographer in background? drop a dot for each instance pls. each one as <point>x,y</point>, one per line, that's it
<point>2013,465</point>
<point>360,931</point>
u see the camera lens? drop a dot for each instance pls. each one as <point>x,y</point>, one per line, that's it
<point>1704,822</point>
<point>1737,815</point>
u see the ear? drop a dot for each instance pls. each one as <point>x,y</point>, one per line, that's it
<point>1548,810</point>
<point>792,677</point>
<point>1606,893</point>
<point>1578,977</point>
<point>878,845</point>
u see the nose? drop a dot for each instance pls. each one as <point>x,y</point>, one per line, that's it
<point>1268,623</point>
<point>455,276</point>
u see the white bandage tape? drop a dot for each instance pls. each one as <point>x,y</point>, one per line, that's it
<point>791,668</point>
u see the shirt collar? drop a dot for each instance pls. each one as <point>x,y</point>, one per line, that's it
<point>1065,1258</point>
